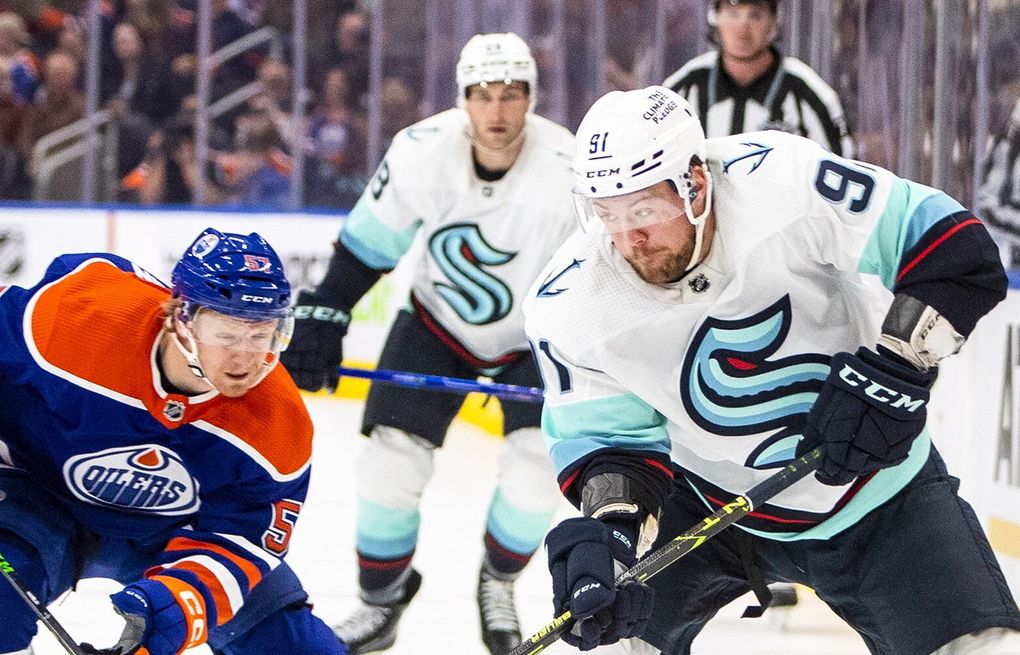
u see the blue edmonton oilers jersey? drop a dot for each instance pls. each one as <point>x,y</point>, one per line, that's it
<point>718,371</point>
<point>84,411</point>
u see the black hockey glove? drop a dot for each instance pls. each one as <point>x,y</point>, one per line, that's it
<point>316,348</point>
<point>585,556</point>
<point>867,415</point>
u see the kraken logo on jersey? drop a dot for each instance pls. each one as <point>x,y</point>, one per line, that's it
<point>730,387</point>
<point>147,478</point>
<point>478,297</point>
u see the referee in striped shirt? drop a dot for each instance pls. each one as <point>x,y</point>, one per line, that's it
<point>746,85</point>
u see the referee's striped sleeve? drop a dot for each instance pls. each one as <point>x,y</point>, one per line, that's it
<point>823,118</point>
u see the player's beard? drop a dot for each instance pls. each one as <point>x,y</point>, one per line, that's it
<point>664,265</point>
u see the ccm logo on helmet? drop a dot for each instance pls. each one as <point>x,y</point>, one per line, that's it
<point>603,172</point>
<point>876,391</point>
<point>262,299</point>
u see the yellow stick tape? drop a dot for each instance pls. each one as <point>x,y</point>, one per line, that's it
<point>1005,536</point>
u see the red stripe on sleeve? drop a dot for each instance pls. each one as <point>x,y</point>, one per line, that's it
<point>938,242</point>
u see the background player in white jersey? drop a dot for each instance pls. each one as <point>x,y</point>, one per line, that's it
<point>487,186</point>
<point>147,436</point>
<point>718,319</point>
<point>747,85</point>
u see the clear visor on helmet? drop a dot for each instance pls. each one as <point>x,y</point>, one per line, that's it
<point>631,211</point>
<point>217,330</point>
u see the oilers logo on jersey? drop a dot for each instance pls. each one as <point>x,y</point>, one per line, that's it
<point>147,477</point>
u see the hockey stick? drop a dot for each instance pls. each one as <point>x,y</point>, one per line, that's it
<point>440,383</point>
<point>684,543</point>
<point>47,619</point>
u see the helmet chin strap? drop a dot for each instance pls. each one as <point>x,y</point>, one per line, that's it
<point>698,221</point>
<point>190,353</point>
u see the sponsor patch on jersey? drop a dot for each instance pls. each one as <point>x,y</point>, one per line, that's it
<point>147,478</point>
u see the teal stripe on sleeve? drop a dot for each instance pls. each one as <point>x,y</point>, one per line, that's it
<point>374,243</point>
<point>909,213</point>
<point>574,431</point>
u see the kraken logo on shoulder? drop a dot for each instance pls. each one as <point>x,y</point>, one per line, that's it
<point>477,296</point>
<point>730,387</point>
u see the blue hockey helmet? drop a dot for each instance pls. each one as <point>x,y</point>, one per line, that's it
<point>233,274</point>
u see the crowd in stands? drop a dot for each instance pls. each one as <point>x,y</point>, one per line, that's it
<point>148,83</point>
<point>148,70</point>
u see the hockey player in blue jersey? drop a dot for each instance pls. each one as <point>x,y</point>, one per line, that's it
<point>146,435</point>
<point>735,302</point>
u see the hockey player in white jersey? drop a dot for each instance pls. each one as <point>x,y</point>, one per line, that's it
<point>487,186</point>
<point>724,312</point>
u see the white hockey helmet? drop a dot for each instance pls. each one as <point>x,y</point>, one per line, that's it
<point>498,57</point>
<point>631,140</point>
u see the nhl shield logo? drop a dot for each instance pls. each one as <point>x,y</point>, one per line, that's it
<point>699,283</point>
<point>174,410</point>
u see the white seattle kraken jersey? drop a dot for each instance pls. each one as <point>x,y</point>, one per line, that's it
<point>720,369</point>
<point>484,241</point>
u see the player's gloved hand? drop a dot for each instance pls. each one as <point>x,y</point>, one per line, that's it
<point>585,556</point>
<point>867,415</point>
<point>316,347</point>
<point>154,622</point>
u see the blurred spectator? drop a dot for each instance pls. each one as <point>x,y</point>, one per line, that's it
<point>60,101</point>
<point>630,61</point>
<point>335,170</point>
<point>227,27</point>
<point>71,39</point>
<point>323,15</point>
<point>20,62</point>
<point>347,50</point>
<point>138,89</point>
<point>169,174</point>
<point>258,172</point>
<point>12,113</point>
<point>747,85</point>
<point>14,181</point>
<point>398,107</point>
<point>274,97</point>
<point>876,128</point>
<point>998,198</point>
<point>150,17</point>
<point>140,81</point>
